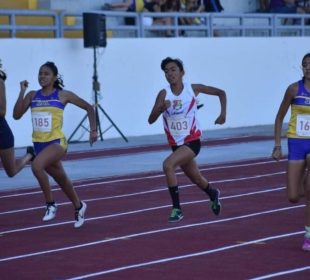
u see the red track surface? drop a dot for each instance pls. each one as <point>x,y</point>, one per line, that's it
<point>126,234</point>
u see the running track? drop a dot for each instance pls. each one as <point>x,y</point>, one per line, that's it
<point>126,234</point>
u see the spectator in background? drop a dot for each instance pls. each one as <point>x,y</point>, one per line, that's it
<point>211,6</point>
<point>129,6</point>
<point>263,6</point>
<point>190,6</point>
<point>286,6</point>
<point>214,6</point>
<point>157,6</point>
<point>171,6</point>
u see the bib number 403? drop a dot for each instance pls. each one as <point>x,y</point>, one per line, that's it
<point>179,127</point>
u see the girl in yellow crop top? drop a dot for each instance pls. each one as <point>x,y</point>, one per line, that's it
<point>47,105</point>
<point>297,96</point>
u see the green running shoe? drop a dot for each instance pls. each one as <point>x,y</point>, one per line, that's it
<point>216,204</point>
<point>176,215</point>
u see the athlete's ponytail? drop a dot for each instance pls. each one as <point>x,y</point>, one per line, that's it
<point>2,73</point>
<point>303,63</point>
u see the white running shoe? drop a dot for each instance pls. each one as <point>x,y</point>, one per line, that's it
<point>50,212</point>
<point>79,215</point>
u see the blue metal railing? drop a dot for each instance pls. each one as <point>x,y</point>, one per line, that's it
<point>210,24</point>
<point>12,27</point>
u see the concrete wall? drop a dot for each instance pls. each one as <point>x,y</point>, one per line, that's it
<point>255,72</point>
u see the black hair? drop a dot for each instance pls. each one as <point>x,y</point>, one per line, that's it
<point>167,60</point>
<point>2,73</point>
<point>59,84</point>
<point>302,62</point>
<point>305,56</point>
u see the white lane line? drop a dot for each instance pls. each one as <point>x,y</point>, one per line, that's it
<point>281,273</point>
<point>136,211</point>
<point>105,181</point>
<point>181,257</point>
<point>151,191</point>
<point>169,229</point>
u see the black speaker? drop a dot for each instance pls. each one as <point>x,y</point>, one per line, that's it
<point>94,30</point>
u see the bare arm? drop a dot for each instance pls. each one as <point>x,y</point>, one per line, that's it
<point>70,97</point>
<point>23,102</point>
<point>2,99</point>
<point>160,106</point>
<point>284,106</point>
<point>199,88</point>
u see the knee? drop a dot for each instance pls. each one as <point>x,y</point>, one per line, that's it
<point>10,173</point>
<point>167,167</point>
<point>36,168</point>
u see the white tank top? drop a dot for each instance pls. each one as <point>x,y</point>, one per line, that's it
<point>180,119</point>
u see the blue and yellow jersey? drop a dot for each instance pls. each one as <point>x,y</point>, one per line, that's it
<point>299,124</point>
<point>47,117</point>
<point>137,6</point>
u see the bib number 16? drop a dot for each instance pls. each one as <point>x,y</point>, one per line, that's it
<point>303,125</point>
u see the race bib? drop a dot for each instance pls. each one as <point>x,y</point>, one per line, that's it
<point>42,121</point>
<point>179,126</point>
<point>303,125</point>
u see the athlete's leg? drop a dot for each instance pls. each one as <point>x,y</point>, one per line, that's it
<point>307,193</point>
<point>192,171</point>
<point>47,157</point>
<point>58,173</point>
<point>12,165</point>
<point>295,178</point>
<point>179,157</point>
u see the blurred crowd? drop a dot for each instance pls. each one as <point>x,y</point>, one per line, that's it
<point>198,6</point>
<point>284,6</point>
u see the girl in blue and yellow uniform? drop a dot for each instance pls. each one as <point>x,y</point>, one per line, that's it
<point>10,164</point>
<point>297,96</point>
<point>47,106</point>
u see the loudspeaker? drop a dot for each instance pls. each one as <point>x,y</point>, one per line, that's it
<point>94,30</point>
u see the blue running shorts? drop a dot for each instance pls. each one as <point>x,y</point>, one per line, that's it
<point>298,149</point>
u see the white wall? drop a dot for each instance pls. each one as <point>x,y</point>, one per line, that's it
<point>255,72</point>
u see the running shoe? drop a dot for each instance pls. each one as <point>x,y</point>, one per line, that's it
<point>216,204</point>
<point>306,245</point>
<point>79,215</point>
<point>176,215</point>
<point>50,212</point>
